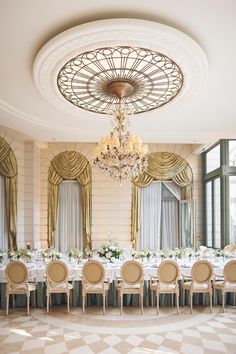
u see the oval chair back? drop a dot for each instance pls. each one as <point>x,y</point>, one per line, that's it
<point>93,272</point>
<point>131,272</point>
<point>230,272</point>
<point>168,272</point>
<point>202,272</point>
<point>57,272</point>
<point>16,273</point>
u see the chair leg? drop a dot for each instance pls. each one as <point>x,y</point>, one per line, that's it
<point>7,304</point>
<point>141,303</point>
<point>214,296</point>
<point>83,305</point>
<point>48,297</point>
<point>183,297</point>
<point>177,303</point>
<point>210,295</point>
<point>106,298</point>
<point>121,303</point>
<point>68,302</point>
<point>28,298</point>
<point>157,296</point>
<point>104,304</point>
<point>191,302</point>
<point>71,296</point>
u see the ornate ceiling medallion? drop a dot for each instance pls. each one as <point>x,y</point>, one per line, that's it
<point>152,79</point>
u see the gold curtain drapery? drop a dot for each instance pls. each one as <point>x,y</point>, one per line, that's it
<point>8,169</point>
<point>69,165</point>
<point>162,166</point>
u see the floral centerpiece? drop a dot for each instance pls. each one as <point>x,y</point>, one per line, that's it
<point>75,254</point>
<point>222,253</point>
<point>43,254</point>
<point>110,251</point>
<point>54,254</point>
<point>88,254</point>
<point>175,254</point>
<point>26,254</point>
<point>141,254</point>
<point>11,254</point>
<point>1,256</point>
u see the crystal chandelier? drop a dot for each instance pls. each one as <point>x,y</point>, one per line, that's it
<point>120,155</point>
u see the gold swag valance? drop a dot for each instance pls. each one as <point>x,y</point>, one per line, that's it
<point>69,165</point>
<point>8,169</point>
<point>162,166</point>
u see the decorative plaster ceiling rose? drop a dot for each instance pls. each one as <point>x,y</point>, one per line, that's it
<point>133,33</point>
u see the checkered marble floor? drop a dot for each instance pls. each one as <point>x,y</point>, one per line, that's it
<point>131,333</point>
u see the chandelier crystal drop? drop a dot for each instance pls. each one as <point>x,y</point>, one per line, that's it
<point>120,155</point>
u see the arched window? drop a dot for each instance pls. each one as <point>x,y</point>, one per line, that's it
<point>159,216</point>
<point>156,211</point>
<point>69,166</point>
<point>69,228</point>
<point>3,216</point>
<point>8,172</point>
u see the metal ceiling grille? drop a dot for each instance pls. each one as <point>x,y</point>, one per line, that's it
<point>155,79</point>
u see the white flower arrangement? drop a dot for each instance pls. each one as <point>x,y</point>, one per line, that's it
<point>44,254</point>
<point>143,254</point>
<point>1,256</point>
<point>175,253</point>
<point>140,254</point>
<point>54,254</point>
<point>110,251</point>
<point>88,253</point>
<point>75,253</point>
<point>11,254</point>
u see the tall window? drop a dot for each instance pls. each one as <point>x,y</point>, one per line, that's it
<point>232,209</point>
<point>220,194</point>
<point>69,230</point>
<point>159,216</point>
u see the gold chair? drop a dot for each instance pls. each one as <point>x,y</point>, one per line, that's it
<point>17,276</point>
<point>132,281</point>
<point>228,283</point>
<point>201,274</point>
<point>167,282</point>
<point>93,274</point>
<point>57,275</point>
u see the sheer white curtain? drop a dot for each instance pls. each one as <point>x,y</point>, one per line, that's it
<point>3,220</point>
<point>170,218</point>
<point>69,229</point>
<point>159,216</point>
<point>150,217</point>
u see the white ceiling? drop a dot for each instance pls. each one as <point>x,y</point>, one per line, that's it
<point>209,114</point>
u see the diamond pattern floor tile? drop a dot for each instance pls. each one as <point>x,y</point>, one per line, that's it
<point>39,333</point>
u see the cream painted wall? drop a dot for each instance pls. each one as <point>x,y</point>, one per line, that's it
<point>111,203</point>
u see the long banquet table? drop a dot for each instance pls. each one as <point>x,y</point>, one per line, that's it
<point>112,271</point>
